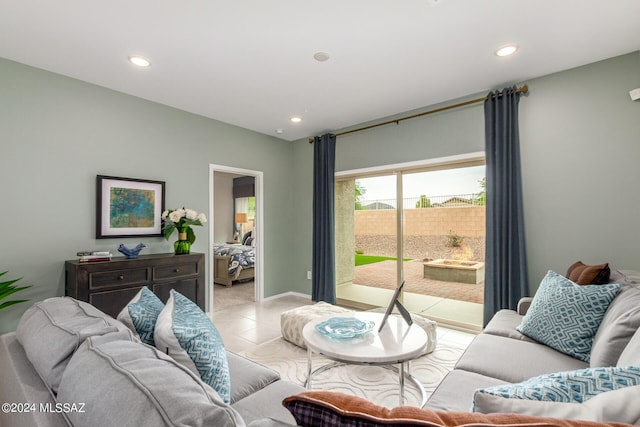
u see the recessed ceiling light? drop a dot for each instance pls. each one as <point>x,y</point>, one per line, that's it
<point>507,50</point>
<point>296,119</point>
<point>279,131</point>
<point>321,56</point>
<point>139,61</point>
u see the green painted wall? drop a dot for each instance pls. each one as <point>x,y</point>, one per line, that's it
<point>579,134</point>
<point>57,134</point>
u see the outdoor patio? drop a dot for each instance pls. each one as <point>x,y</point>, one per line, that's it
<point>383,275</point>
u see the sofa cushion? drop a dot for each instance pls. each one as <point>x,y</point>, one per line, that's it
<point>504,324</point>
<point>620,322</point>
<point>129,383</point>
<point>627,277</point>
<point>584,394</point>
<point>455,391</point>
<point>619,276</point>
<point>268,422</point>
<point>631,353</point>
<point>247,376</point>
<point>264,403</point>
<point>583,274</point>
<point>566,316</point>
<point>19,382</point>
<point>324,409</point>
<point>185,333</point>
<point>141,313</point>
<point>51,331</point>
<point>514,360</point>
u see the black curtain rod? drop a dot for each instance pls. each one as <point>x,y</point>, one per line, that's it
<point>521,89</point>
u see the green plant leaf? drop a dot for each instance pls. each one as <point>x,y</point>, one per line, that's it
<point>8,303</point>
<point>4,285</point>
<point>8,288</point>
<point>168,230</point>
<point>6,292</point>
<point>191,236</point>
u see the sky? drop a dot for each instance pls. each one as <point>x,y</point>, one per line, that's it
<point>448,182</point>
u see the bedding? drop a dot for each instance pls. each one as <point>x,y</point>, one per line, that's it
<point>242,257</point>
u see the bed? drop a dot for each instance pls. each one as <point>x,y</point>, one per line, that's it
<point>233,262</point>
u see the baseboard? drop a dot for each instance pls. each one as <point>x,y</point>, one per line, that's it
<point>287,294</point>
<point>356,305</point>
<point>460,326</point>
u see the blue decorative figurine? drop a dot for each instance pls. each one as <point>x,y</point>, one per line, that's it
<point>131,253</point>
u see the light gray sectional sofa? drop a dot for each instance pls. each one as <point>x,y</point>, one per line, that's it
<point>501,355</point>
<point>70,364</point>
<point>80,367</point>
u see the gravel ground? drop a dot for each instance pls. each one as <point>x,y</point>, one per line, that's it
<point>420,247</point>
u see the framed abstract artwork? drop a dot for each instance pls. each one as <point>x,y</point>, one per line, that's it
<point>128,207</point>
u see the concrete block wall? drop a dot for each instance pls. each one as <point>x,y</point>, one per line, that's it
<point>464,221</point>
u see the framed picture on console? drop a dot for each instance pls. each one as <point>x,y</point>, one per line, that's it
<point>128,207</point>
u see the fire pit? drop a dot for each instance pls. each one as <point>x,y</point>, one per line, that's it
<point>450,270</point>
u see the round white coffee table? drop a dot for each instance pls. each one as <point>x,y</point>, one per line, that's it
<point>397,343</point>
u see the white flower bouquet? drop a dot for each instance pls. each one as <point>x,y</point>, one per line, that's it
<point>182,219</point>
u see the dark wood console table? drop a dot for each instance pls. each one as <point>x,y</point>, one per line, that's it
<point>110,285</point>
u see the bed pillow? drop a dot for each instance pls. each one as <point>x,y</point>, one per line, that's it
<point>566,316</point>
<point>583,274</point>
<point>247,238</point>
<point>184,332</point>
<point>332,409</point>
<point>596,394</point>
<point>141,313</point>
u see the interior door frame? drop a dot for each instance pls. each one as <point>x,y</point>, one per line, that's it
<point>259,229</point>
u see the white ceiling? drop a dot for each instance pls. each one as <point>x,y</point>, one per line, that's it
<point>250,62</point>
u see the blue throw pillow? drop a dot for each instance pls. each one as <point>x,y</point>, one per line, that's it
<point>184,332</point>
<point>141,313</point>
<point>566,316</point>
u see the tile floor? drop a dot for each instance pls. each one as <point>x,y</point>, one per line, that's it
<point>248,325</point>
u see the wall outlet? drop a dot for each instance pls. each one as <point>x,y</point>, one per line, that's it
<point>308,275</point>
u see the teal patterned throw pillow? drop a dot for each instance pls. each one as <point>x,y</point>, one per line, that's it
<point>184,332</point>
<point>566,316</point>
<point>597,394</point>
<point>569,387</point>
<point>141,313</point>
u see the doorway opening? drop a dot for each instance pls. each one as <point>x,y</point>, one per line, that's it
<point>235,237</point>
<point>422,223</point>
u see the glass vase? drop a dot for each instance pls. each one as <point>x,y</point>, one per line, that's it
<point>182,245</point>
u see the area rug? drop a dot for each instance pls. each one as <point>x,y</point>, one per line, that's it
<point>374,383</point>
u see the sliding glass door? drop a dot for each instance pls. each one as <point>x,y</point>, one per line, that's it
<point>423,226</point>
